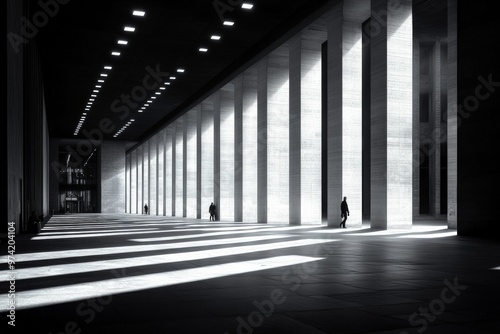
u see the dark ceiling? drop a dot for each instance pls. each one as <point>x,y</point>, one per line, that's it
<point>78,40</point>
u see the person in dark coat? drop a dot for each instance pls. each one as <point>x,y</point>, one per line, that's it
<point>344,212</point>
<point>211,210</point>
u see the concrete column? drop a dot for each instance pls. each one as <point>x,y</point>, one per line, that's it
<point>305,124</point>
<point>140,178</point>
<point>153,177</point>
<point>227,163</point>
<point>145,175</point>
<point>112,176</point>
<point>198,161</point>
<point>169,180</point>
<point>136,183</point>
<point>345,110</point>
<point>278,123</point>
<point>217,152</point>
<point>161,172</point>
<point>238,148</point>
<point>416,128</point>
<point>262,97</point>
<point>133,181</point>
<point>190,162</point>
<point>207,156</point>
<point>391,118</point>
<point>174,168</point>
<point>250,138</point>
<point>452,120</point>
<point>180,188</point>
<point>295,162</point>
<point>435,154</point>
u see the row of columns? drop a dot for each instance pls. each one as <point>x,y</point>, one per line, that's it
<point>254,146</point>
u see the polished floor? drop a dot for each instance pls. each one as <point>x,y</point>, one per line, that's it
<point>98,273</point>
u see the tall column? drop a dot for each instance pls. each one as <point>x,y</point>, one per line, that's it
<point>345,110</point>
<point>198,161</point>
<point>161,172</point>
<point>133,181</point>
<point>207,155</point>
<point>305,125</point>
<point>416,128</point>
<point>169,179</point>
<point>249,145</point>
<point>174,168</point>
<point>238,148</point>
<point>112,176</point>
<point>190,162</point>
<point>153,207</point>
<point>227,164</point>
<point>140,180</point>
<point>452,114</point>
<point>391,117</point>
<point>217,153</point>
<point>179,168</point>
<point>145,175</point>
<point>262,140</point>
<point>295,166</point>
<point>435,156</point>
<point>278,115</point>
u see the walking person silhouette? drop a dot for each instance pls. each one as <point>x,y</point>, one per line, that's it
<point>344,211</point>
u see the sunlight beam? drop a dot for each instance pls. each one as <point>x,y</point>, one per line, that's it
<point>84,291</point>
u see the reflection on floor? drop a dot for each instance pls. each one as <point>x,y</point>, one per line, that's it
<point>98,273</point>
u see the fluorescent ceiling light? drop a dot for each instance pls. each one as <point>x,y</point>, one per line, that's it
<point>247,6</point>
<point>131,29</point>
<point>180,70</point>
<point>122,42</point>
<point>167,83</point>
<point>93,95</point>
<point>115,53</point>
<point>228,23</point>
<point>104,75</point>
<point>158,93</point>
<point>172,78</point>
<point>138,13</point>
<point>162,88</point>
<point>203,49</point>
<point>100,80</point>
<point>215,37</point>
<point>107,67</point>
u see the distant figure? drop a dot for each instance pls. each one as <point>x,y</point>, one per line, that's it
<point>146,208</point>
<point>211,210</point>
<point>344,212</point>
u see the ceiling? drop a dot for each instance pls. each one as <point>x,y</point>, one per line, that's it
<point>77,42</point>
<point>76,45</point>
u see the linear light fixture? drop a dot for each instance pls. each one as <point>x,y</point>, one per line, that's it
<point>138,13</point>
<point>215,37</point>
<point>203,49</point>
<point>130,29</point>
<point>115,53</point>
<point>247,6</point>
<point>228,23</point>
